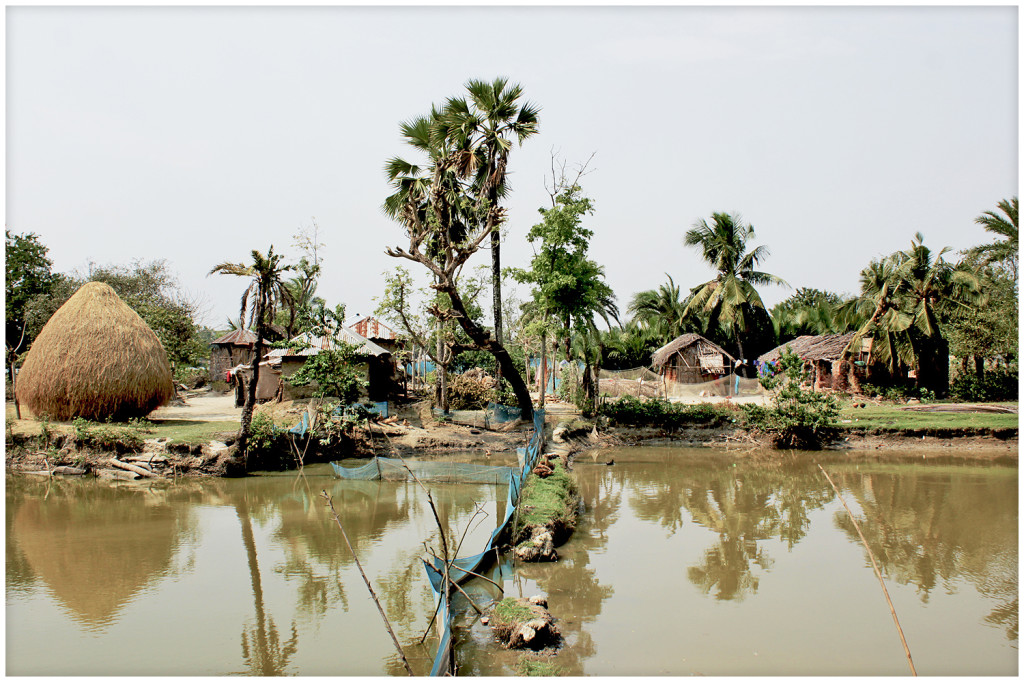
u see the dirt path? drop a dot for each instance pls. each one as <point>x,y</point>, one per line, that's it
<point>208,407</point>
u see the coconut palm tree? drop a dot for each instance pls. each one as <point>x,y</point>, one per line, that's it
<point>730,298</point>
<point>1001,251</point>
<point>260,301</point>
<point>661,311</point>
<point>482,129</point>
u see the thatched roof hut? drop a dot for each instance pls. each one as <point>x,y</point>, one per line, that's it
<point>95,358</point>
<point>690,358</point>
<point>830,347</point>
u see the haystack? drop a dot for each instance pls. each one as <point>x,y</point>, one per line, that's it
<point>95,358</point>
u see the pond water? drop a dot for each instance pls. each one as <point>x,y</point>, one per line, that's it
<point>695,562</point>
<point>685,562</point>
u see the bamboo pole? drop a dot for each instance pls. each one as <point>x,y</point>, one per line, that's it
<point>878,573</point>
<point>366,580</point>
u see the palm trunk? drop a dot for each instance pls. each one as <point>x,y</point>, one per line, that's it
<point>250,397</point>
<point>543,368</point>
<point>496,288</point>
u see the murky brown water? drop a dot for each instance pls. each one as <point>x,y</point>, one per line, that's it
<point>692,562</point>
<point>686,562</point>
<point>211,577</point>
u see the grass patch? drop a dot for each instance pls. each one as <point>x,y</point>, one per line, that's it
<point>531,667</point>
<point>508,610</point>
<point>548,501</point>
<point>891,418</point>
<point>177,430</point>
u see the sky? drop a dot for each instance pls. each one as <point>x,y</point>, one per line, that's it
<point>198,134</point>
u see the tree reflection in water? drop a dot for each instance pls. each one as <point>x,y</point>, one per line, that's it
<point>940,526</point>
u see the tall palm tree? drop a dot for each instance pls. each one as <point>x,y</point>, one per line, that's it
<point>730,298</point>
<point>1001,251</point>
<point>482,129</point>
<point>260,300</point>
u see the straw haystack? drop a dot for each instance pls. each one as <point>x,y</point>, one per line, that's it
<point>95,358</point>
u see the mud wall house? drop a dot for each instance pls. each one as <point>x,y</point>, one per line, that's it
<point>692,359</point>
<point>233,349</point>
<point>826,360</point>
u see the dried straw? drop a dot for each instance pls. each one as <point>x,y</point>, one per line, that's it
<point>95,358</point>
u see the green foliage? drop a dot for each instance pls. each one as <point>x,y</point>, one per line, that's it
<point>528,667</point>
<point>263,433</point>
<point>28,276</point>
<point>798,417</point>
<point>994,385</point>
<point>898,393</point>
<point>107,437</point>
<point>503,394</point>
<point>660,413</point>
<point>334,373</point>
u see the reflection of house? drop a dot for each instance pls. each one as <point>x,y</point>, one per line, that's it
<point>825,357</point>
<point>282,363</point>
<point>691,359</point>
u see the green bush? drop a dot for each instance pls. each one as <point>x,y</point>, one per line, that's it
<point>108,437</point>
<point>798,417</point>
<point>995,384</point>
<point>334,372</point>
<point>657,412</point>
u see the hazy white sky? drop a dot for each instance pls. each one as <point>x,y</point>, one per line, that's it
<point>198,134</point>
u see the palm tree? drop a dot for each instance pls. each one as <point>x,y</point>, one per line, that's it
<point>260,300</point>
<point>661,311</point>
<point>482,129</point>
<point>730,298</point>
<point>1001,251</point>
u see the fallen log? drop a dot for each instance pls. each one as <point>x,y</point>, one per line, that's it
<point>131,467</point>
<point>116,474</point>
<point>69,471</point>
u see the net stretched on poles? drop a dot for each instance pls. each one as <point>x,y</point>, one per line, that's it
<point>730,385</point>
<point>639,382</point>
<point>393,469</point>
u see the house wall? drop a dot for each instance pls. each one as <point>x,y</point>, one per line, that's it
<point>223,358</point>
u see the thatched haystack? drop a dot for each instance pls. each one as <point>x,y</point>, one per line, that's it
<point>95,358</point>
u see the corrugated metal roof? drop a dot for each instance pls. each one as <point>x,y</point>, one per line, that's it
<point>236,337</point>
<point>371,328</point>
<point>314,344</point>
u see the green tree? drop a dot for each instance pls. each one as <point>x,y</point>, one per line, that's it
<point>807,312</point>
<point>265,293</point>
<point>484,125</point>
<point>28,275</point>
<point>730,298</point>
<point>448,215</point>
<point>1006,251</point>
<point>662,312</point>
<point>988,330</point>
<point>567,286</point>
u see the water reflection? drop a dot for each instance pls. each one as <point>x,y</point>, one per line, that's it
<point>936,527</point>
<point>95,548</point>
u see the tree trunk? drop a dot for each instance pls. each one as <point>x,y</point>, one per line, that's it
<point>979,368</point>
<point>14,389</point>
<point>482,338</point>
<point>496,286</point>
<point>739,344</point>
<point>543,368</point>
<point>250,398</point>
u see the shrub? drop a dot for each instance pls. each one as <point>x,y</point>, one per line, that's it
<point>995,384</point>
<point>632,411</point>
<point>468,393</point>
<point>334,372</point>
<point>109,437</point>
<point>798,417</point>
